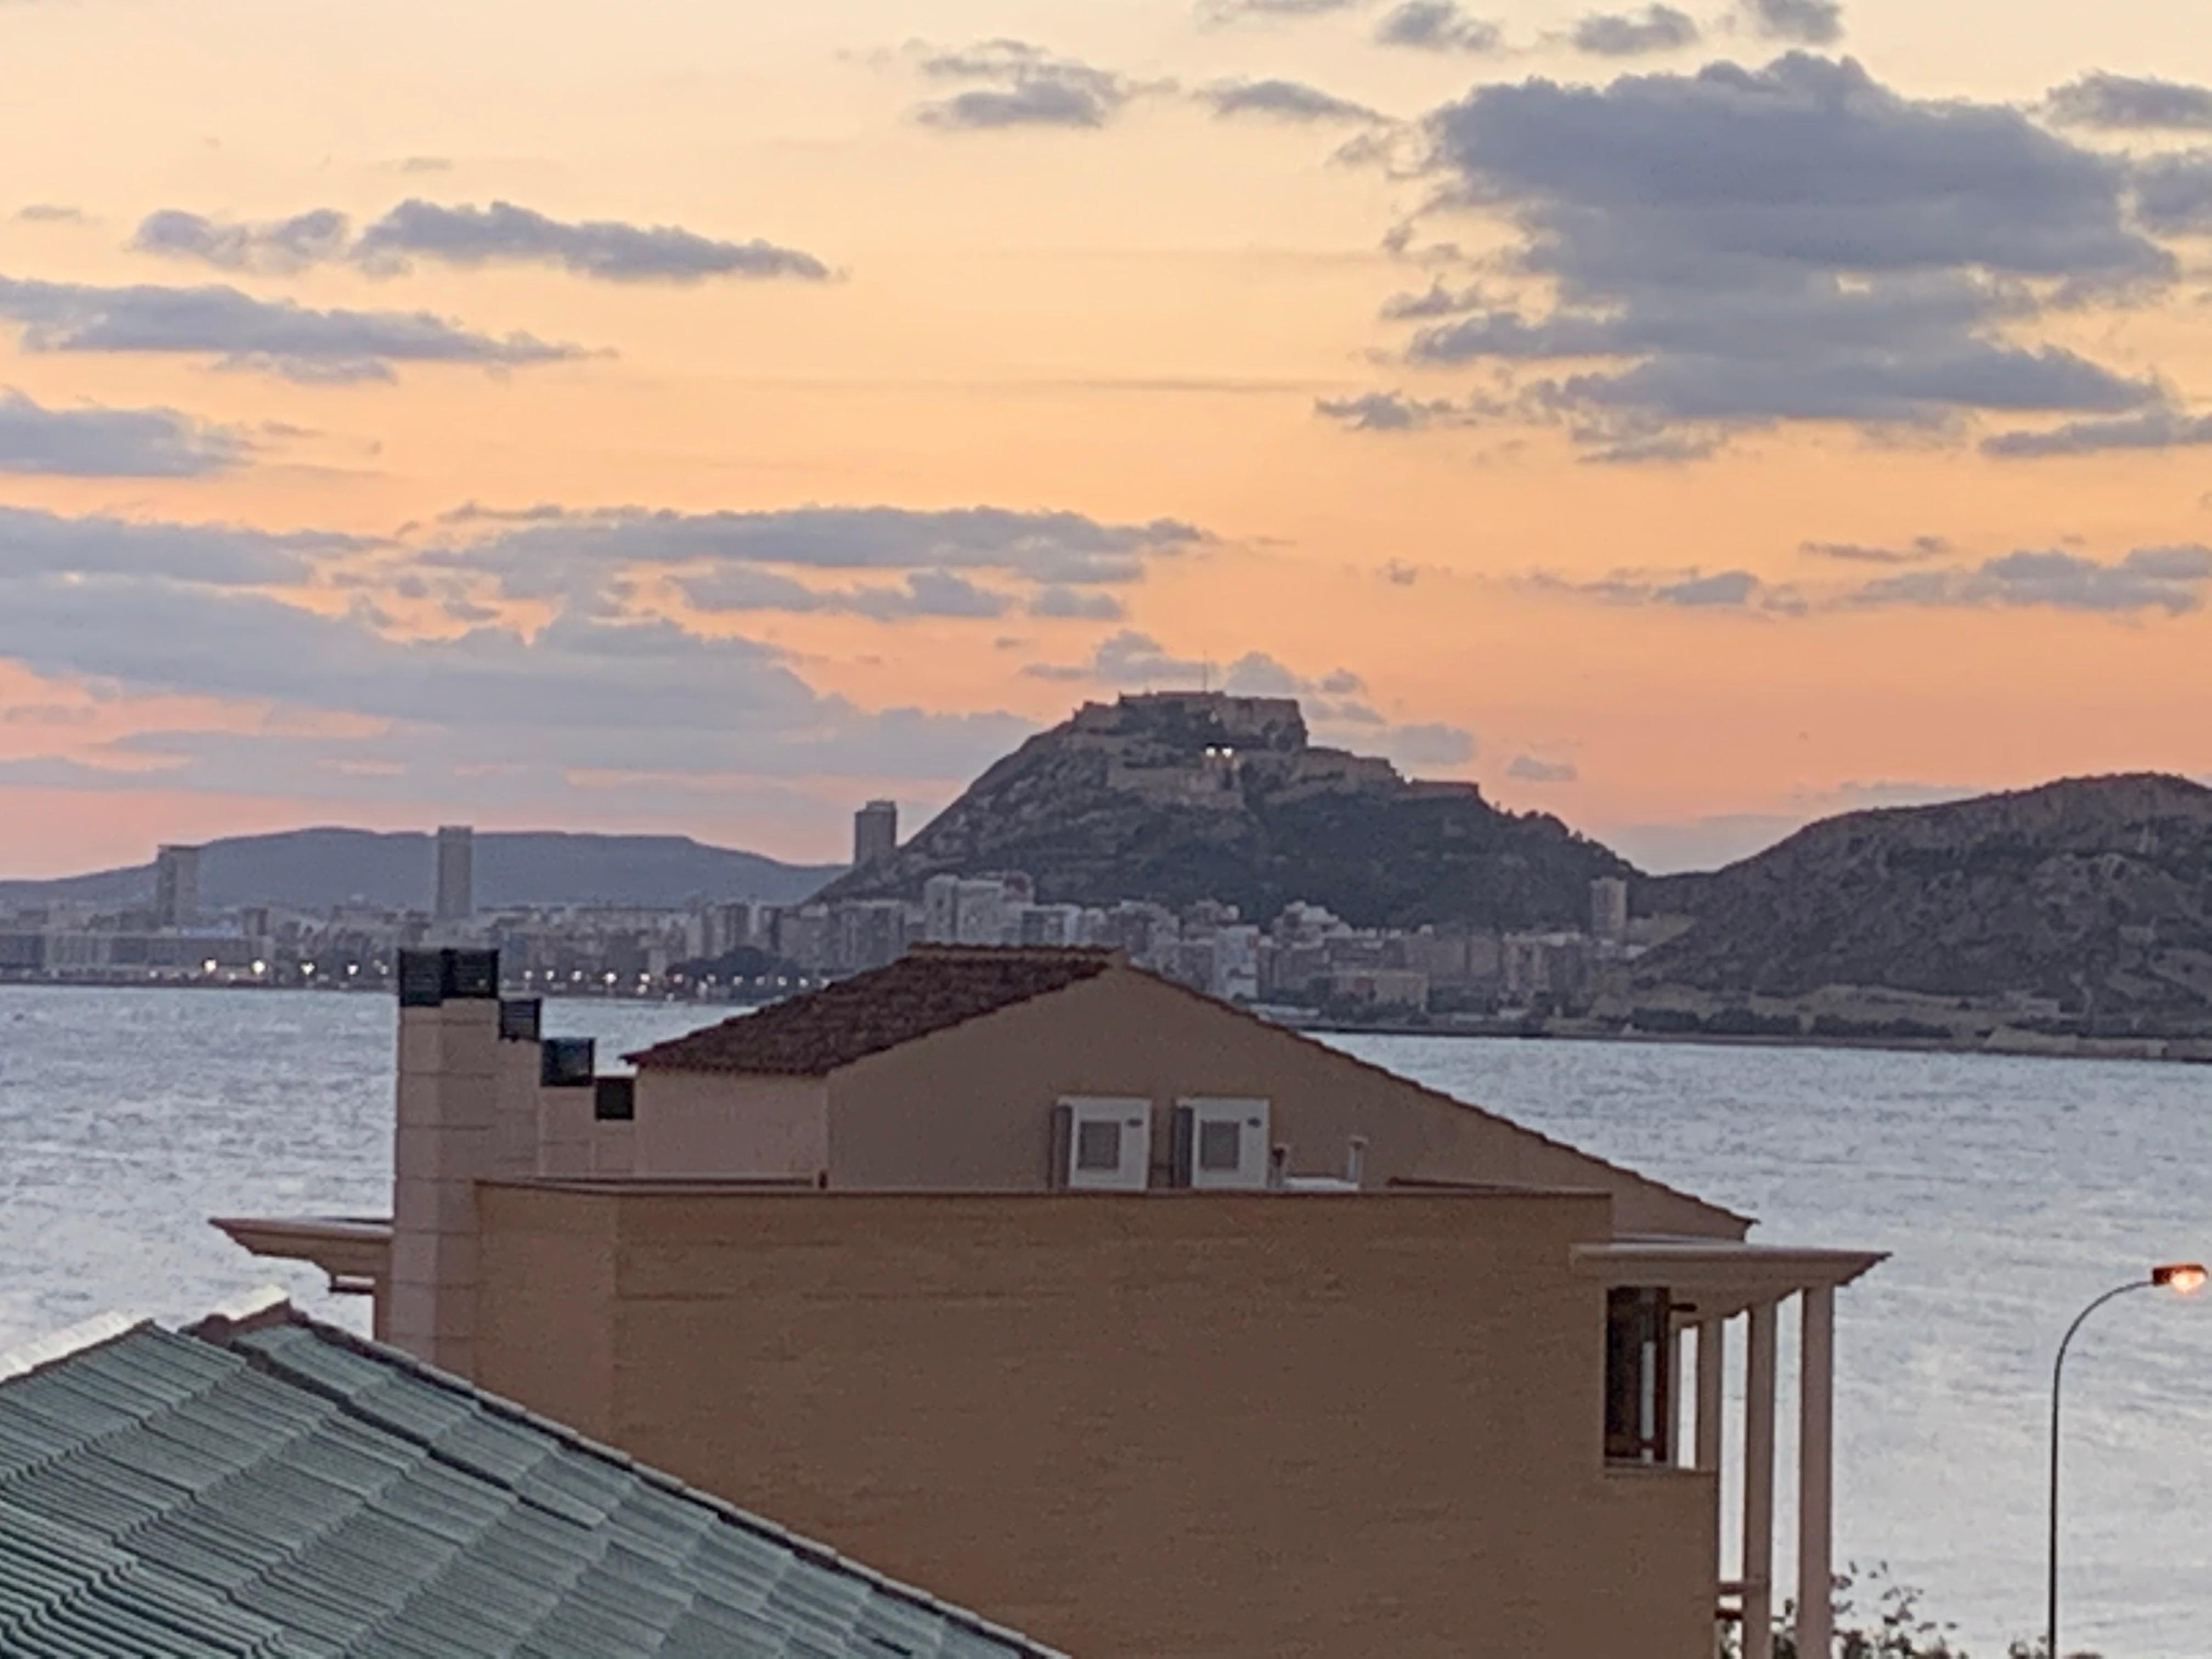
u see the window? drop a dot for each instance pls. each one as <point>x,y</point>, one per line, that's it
<point>1220,1144</point>
<point>1097,1144</point>
<point>614,1100</point>
<point>1639,1412</point>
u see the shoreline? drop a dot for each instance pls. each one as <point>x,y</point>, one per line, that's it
<point>1560,1030</point>
<point>2131,1049</point>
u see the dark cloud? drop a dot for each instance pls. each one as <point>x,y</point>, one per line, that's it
<point>603,249</point>
<point>2157,428</point>
<point>1527,769</point>
<point>281,245</point>
<point>2173,194</point>
<point>2129,103</point>
<point>1737,247</point>
<point>1807,22</point>
<point>1437,25</point>
<point>500,233</point>
<point>47,546</point>
<point>1027,85</point>
<point>1389,411</point>
<point>1632,34</point>
<point>113,443</point>
<point>1287,101</point>
<point>275,336</point>
<point>1918,551</point>
<point>49,213</point>
<point>2174,580</point>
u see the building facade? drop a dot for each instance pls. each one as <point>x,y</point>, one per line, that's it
<point>1105,1248</point>
<point>455,899</point>
<point>875,833</point>
<point>176,886</point>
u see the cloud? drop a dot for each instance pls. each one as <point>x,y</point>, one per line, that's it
<point>1437,25</point>
<point>2174,580</point>
<point>1389,411</point>
<point>549,551</point>
<point>923,593</point>
<point>49,213</point>
<point>2129,103</point>
<point>113,443</point>
<point>605,250</point>
<point>275,336</point>
<point>1807,22</point>
<point>157,608</point>
<point>1234,11</point>
<point>1286,100</point>
<point>1683,590</point>
<point>1430,744</point>
<point>1918,551</point>
<point>1527,768</point>
<point>2157,428</point>
<point>468,236</point>
<point>1438,302</point>
<point>1632,34</point>
<point>1027,85</point>
<point>1736,247</point>
<point>425,164</point>
<point>1074,603</point>
<point>280,246</point>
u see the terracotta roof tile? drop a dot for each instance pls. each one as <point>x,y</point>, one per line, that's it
<point>931,989</point>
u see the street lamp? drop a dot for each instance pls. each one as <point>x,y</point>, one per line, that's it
<point>2182,1278</point>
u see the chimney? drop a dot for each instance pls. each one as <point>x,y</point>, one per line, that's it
<point>466,1109</point>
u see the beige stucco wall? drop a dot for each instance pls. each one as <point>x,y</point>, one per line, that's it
<point>971,1107</point>
<point>706,1123</point>
<point>1153,1426</point>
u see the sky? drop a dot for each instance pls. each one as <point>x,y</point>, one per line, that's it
<point>703,418</point>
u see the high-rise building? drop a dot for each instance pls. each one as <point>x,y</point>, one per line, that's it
<point>177,886</point>
<point>875,833</point>
<point>456,860</point>
<point>1610,909</point>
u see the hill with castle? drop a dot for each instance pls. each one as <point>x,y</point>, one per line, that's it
<point>1178,797</point>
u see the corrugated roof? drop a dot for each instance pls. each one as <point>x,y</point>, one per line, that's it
<point>929,989</point>
<point>289,1492</point>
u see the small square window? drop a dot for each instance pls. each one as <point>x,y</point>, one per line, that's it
<point>1098,1145</point>
<point>1220,1144</point>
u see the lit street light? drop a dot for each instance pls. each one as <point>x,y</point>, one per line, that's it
<point>2182,1278</point>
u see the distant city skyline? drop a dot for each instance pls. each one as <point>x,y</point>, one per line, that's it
<point>715,426</point>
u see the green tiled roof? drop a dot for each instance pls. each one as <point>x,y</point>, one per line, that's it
<point>290,1493</point>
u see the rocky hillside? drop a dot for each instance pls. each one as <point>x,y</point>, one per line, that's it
<point>1176,797</point>
<point>2095,893</point>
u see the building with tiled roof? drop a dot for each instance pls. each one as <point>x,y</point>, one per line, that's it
<point>1136,1321</point>
<point>270,1487</point>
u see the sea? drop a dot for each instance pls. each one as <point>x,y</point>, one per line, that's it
<point>2008,1192</point>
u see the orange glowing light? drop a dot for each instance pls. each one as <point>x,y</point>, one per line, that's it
<point>2183,1277</point>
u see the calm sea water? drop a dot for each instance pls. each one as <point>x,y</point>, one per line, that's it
<point>2008,1192</point>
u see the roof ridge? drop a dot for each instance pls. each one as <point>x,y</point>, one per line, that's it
<point>28,1357</point>
<point>511,1411</point>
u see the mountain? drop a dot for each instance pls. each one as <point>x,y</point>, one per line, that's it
<point>2093,892</point>
<point>1179,796</point>
<point>315,869</point>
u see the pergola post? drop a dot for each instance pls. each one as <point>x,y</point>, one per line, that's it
<point>1815,1476</point>
<point>1758,1488</point>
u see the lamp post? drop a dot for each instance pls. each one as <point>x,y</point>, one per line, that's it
<point>2182,1278</point>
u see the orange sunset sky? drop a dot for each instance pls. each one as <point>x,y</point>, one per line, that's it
<point>704,417</point>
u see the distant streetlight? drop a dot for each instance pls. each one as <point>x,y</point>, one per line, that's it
<point>2182,1278</point>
